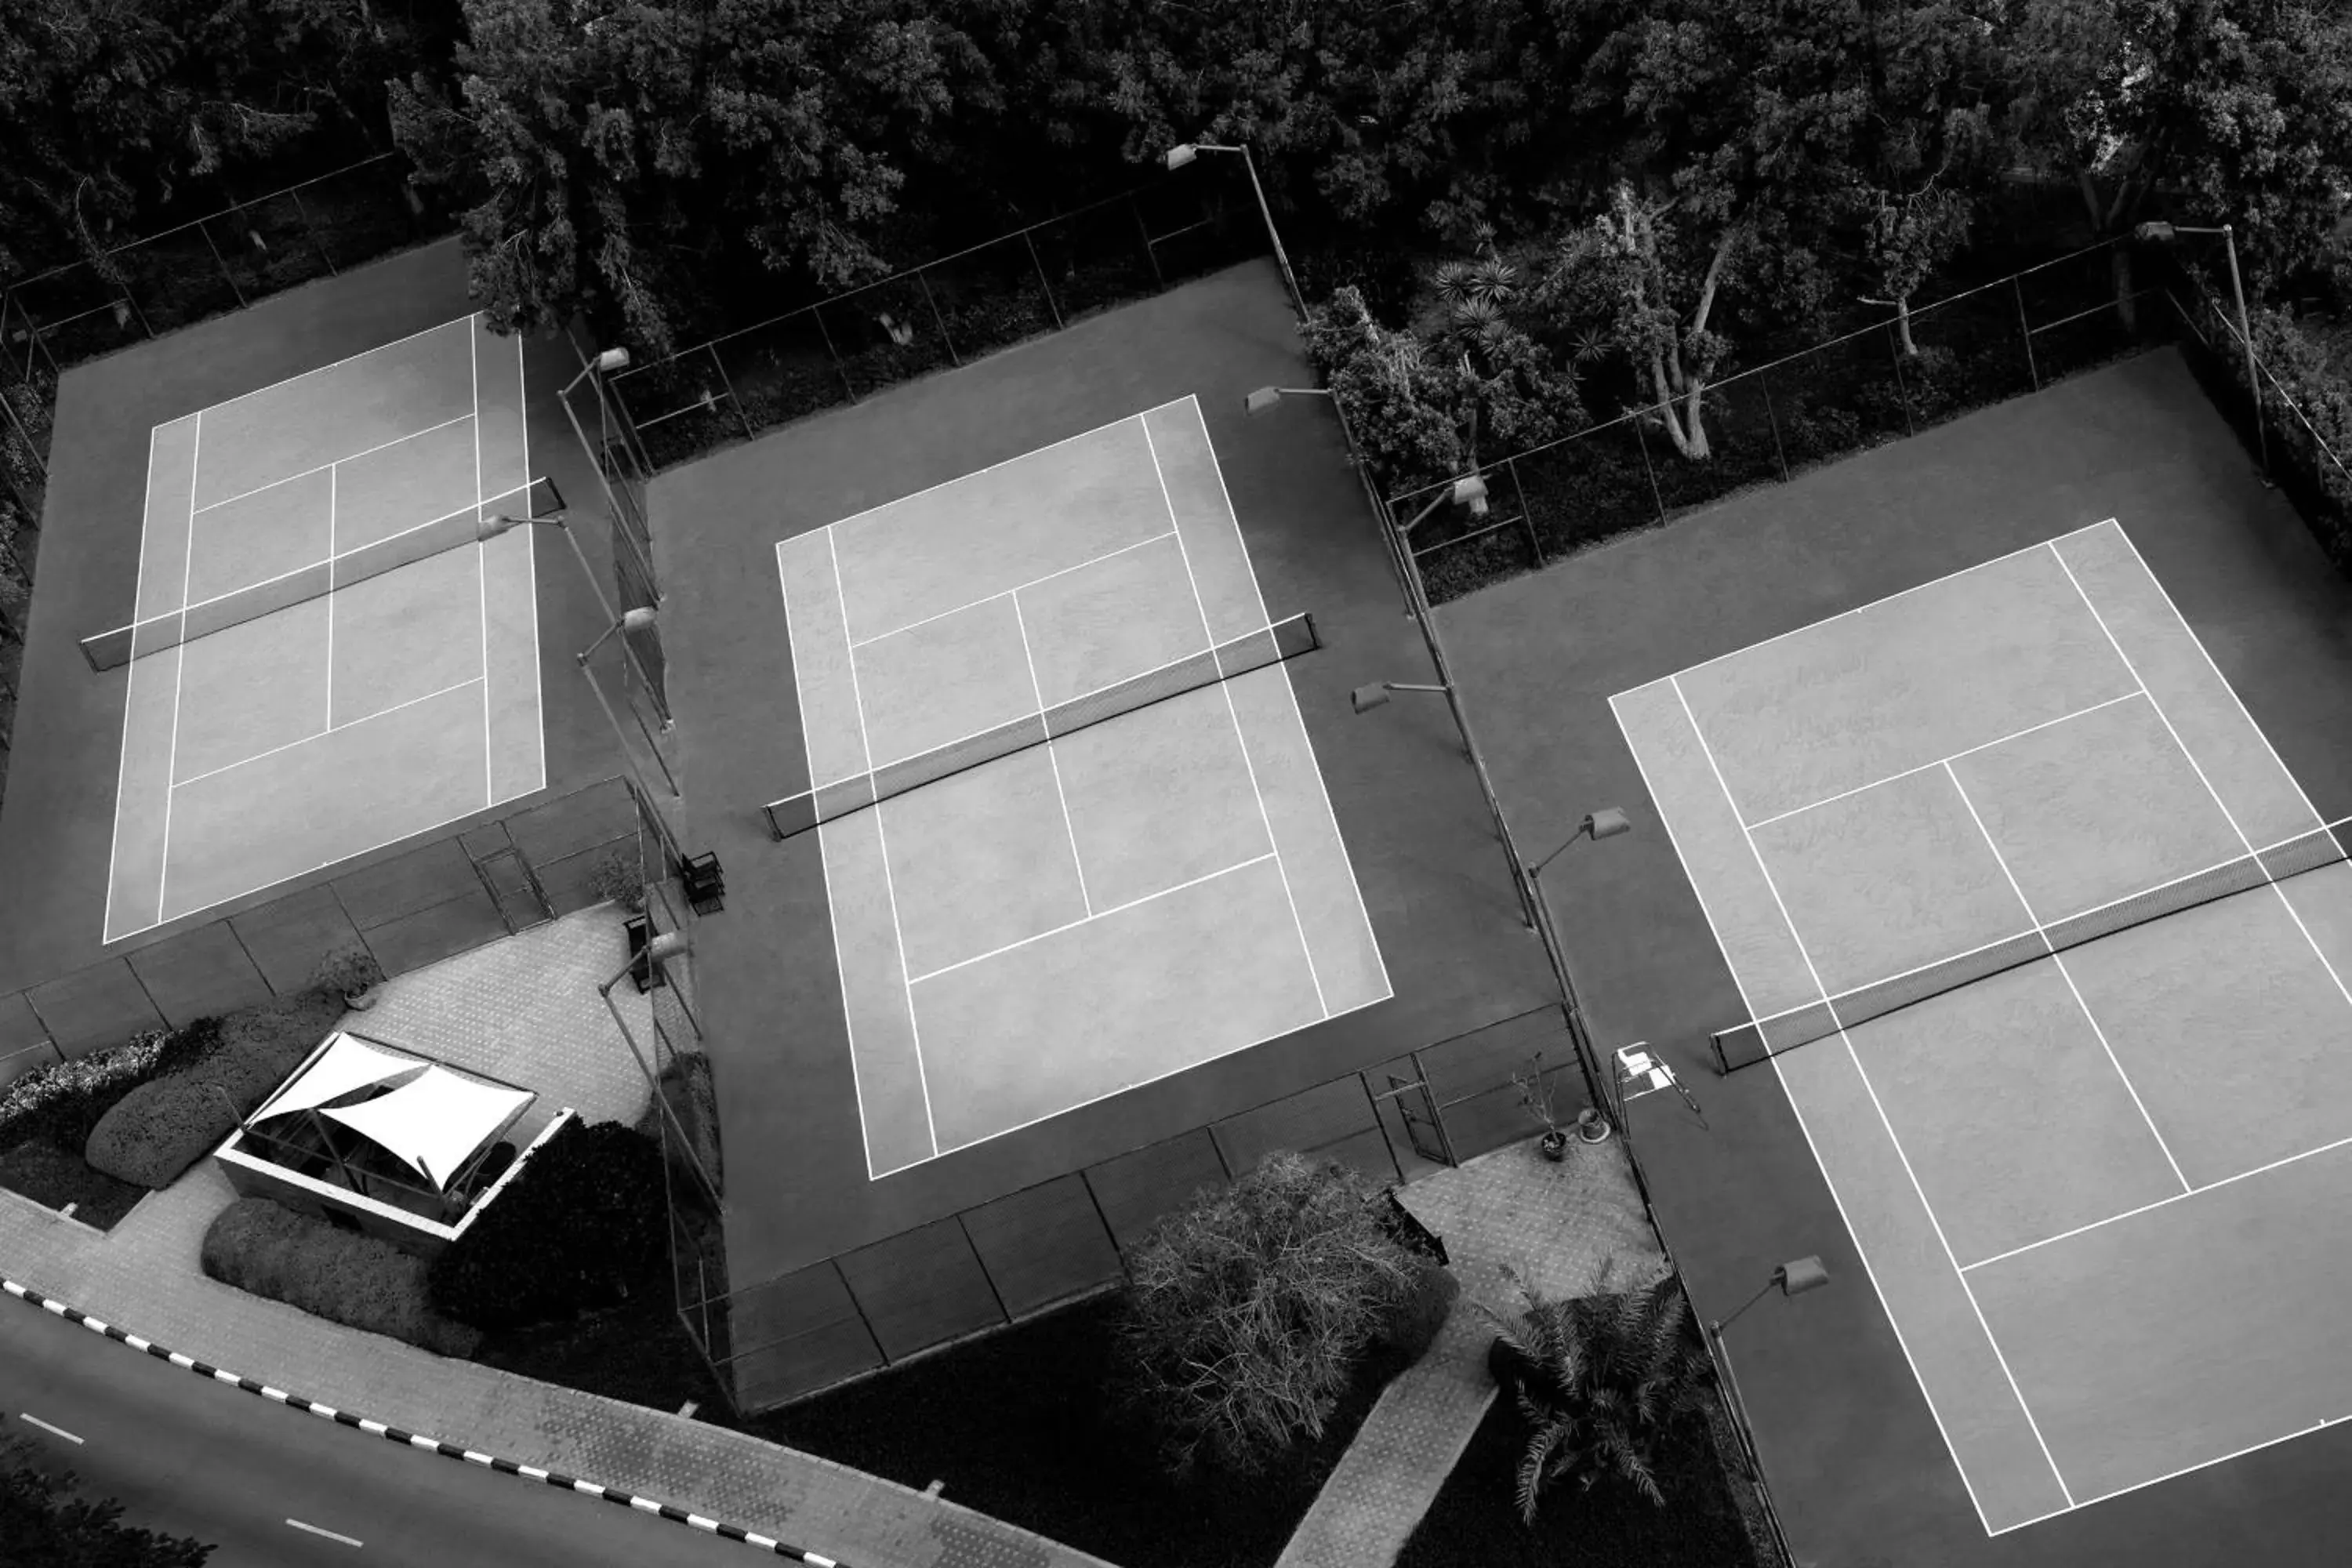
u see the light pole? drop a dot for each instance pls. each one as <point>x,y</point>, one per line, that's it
<point>1266,397</point>
<point>2164,234</point>
<point>1606,823</point>
<point>660,949</point>
<point>1793,1278</point>
<point>1176,157</point>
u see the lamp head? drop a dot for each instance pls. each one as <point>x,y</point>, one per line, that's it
<point>669,945</point>
<point>1606,823</point>
<point>1471,492</point>
<point>2154,232</point>
<point>1263,398</point>
<point>610,360</point>
<point>1365,697</point>
<point>642,618</point>
<point>1800,1275</point>
<point>491,527</point>
<point>1183,153</point>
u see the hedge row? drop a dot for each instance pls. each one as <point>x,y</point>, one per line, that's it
<point>61,1104</point>
<point>268,1249</point>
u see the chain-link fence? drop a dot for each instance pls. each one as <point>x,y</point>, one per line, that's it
<point>2014,335</point>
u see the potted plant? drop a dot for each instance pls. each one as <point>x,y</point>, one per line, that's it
<point>1534,1094</point>
<point>353,973</point>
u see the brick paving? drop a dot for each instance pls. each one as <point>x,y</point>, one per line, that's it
<point>526,1010</point>
<point>1509,1219</point>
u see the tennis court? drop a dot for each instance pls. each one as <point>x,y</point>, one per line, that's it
<point>324,656</point>
<point>2049,952</point>
<point>1075,839</point>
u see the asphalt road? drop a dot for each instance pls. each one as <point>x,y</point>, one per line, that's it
<point>197,1457</point>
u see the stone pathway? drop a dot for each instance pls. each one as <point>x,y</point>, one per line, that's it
<point>1507,1217</point>
<point>493,1009</point>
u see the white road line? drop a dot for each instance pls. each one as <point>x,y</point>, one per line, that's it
<point>1006,593</point>
<point>179,671</point>
<point>1941,761</point>
<point>890,882</point>
<point>1225,691</point>
<point>332,462</point>
<point>1871,1090</point>
<point>1069,824</point>
<point>1097,915</point>
<point>1812,1146</point>
<point>2227,814</point>
<point>1890,598</point>
<point>53,1431</point>
<point>320,734</point>
<point>2059,960</point>
<point>329,1534</point>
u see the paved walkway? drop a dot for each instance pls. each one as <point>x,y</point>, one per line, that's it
<point>1507,1217</point>
<point>144,1277</point>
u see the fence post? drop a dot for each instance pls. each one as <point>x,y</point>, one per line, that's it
<point>1902,382</point>
<point>924,282</point>
<point>1151,251</point>
<point>312,229</point>
<point>2025,327</point>
<point>742,416</point>
<point>1029,239</point>
<point>1772,418</point>
<point>1535,538</point>
<point>220,261</point>
<point>1381,1121</point>
<point>1658,500</point>
<point>840,366</point>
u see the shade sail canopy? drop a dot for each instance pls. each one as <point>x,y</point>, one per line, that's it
<point>434,1122</point>
<point>347,1063</point>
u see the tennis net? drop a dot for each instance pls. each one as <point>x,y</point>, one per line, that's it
<point>1282,640</point>
<point>538,501</point>
<point>1745,1045</point>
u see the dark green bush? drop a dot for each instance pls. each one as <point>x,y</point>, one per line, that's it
<point>584,1222</point>
<point>356,1280</point>
<point>162,1126</point>
<point>1416,1319</point>
<point>62,1103</point>
<point>686,1088</point>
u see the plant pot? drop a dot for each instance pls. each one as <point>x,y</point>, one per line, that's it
<point>1553,1144</point>
<point>360,1001</point>
<point>1591,1127</point>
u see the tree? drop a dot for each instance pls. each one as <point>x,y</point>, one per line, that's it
<point>42,1520</point>
<point>2239,110</point>
<point>1598,1380</point>
<point>628,160</point>
<point>1246,1311</point>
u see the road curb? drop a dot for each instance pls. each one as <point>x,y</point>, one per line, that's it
<point>418,1440</point>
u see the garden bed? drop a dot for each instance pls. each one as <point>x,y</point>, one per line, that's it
<point>1474,1522</point>
<point>1020,1426</point>
<point>54,1178</point>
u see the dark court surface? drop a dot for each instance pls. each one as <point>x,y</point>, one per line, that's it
<point>1862,1476</point>
<point>57,820</point>
<point>1408,805</point>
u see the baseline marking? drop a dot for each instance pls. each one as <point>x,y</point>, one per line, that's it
<point>2227,814</point>
<point>889,883</point>
<point>1069,825</point>
<point>130,679</point>
<point>1896,1143</point>
<point>1005,594</point>
<point>1812,1146</point>
<point>1225,691</point>
<point>1942,762</point>
<point>2059,959</point>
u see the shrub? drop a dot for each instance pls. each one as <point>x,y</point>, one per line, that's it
<point>62,1102</point>
<point>356,1280</point>
<point>685,1087</point>
<point>584,1221</point>
<point>162,1126</point>
<point>1245,1312</point>
<point>1417,1317</point>
<point>1598,1379</point>
<point>618,878</point>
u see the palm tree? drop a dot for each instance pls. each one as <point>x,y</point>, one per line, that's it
<point>1599,1378</point>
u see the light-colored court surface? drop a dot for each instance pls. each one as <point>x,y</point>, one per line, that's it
<point>276,746</point>
<point>1094,913</point>
<point>2106,1195</point>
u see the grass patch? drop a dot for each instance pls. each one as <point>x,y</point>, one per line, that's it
<point>1020,1426</point>
<point>53,1177</point>
<point>1474,1522</point>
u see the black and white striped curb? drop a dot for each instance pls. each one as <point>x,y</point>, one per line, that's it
<point>416,1440</point>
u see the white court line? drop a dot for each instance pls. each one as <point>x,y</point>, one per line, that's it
<point>27,1415</point>
<point>2227,816</point>
<point>825,863</point>
<point>347,359</point>
<point>179,666</point>
<point>330,596</point>
<point>329,1534</point>
<point>1069,824</point>
<point>531,569</point>
<point>2159,1202</point>
<point>1890,598</point>
<point>1868,1087</point>
<point>2184,1471</point>
<point>1097,915</point>
<point>889,883</point>
<point>1941,761</point>
<point>332,463</point>
<point>1812,1147</point>
<point>2059,960</point>
<point>129,681</point>
<point>1290,692</point>
<point>481,562</point>
<point>2206,654</point>
<point>1008,592</point>
<point>1224,690</point>
<point>321,734</point>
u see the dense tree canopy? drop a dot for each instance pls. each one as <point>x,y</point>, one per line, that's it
<point>44,1520</point>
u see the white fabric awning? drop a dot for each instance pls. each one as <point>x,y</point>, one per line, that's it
<point>345,1064</point>
<point>435,1121</point>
